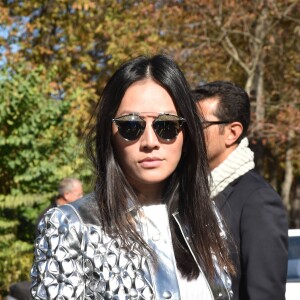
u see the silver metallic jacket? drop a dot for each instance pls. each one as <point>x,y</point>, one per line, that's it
<point>76,259</point>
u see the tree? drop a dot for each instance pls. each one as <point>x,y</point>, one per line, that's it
<point>38,147</point>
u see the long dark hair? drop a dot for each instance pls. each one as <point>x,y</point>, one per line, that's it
<point>187,190</point>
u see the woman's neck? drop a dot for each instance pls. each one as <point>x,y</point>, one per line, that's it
<point>149,195</point>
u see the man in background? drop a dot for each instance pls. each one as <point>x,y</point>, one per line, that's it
<point>253,211</point>
<point>69,190</point>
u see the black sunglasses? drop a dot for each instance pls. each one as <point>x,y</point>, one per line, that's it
<point>206,124</point>
<point>165,126</point>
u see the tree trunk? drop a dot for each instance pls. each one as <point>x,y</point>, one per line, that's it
<point>255,87</point>
<point>260,98</point>
<point>288,176</point>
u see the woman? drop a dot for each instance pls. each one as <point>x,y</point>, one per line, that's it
<point>149,230</point>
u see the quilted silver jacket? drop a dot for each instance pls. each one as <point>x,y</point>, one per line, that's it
<point>76,259</point>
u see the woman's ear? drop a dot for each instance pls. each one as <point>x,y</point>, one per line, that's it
<point>233,132</point>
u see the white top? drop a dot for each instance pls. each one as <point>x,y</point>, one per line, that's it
<point>194,289</point>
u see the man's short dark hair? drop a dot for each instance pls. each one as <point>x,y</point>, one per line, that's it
<point>234,103</point>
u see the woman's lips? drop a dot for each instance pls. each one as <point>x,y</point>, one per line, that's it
<point>150,162</point>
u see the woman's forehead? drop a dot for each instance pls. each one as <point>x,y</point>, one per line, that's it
<point>146,96</point>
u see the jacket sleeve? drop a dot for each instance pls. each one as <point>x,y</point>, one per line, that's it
<point>264,240</point>
<point>57,268</point>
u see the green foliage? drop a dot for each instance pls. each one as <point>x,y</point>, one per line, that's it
<point>38,147</point>
<point>36,137</point>
<point>15,261</point>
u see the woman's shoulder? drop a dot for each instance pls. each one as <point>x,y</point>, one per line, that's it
<point>85,208</point>
<point>83,211</point>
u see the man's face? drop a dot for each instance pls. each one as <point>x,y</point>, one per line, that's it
<point>215,135</point>
<point>76,192</point>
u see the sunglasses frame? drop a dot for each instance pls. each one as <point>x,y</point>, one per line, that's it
<point>206,124</point>
<point>160,118</point>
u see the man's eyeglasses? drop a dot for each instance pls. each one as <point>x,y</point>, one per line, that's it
<point>166,126</point>
<point>206,124</point>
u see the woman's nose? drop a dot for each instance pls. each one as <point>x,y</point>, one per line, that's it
<point>149,138</point>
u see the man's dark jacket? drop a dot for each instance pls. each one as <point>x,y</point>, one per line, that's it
<point>257,222</point>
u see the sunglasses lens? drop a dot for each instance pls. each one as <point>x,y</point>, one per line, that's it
<point>130,130</point>
<point>167,129</point>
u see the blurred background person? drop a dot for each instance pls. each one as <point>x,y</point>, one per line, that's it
<point>19,291</point>
<point>69,190</point>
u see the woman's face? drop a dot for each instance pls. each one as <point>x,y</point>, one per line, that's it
<point>147,161</point>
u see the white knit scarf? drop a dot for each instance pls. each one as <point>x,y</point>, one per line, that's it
<point>239,162</point>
